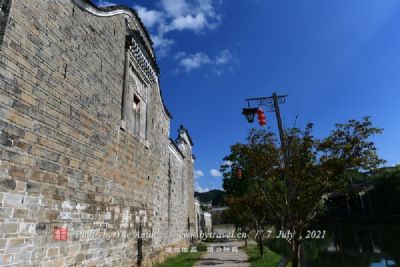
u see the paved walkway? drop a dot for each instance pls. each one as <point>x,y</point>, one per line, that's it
<point>221,258</point>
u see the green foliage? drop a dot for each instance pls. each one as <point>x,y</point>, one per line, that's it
<point>279,246</point>
<point>270,258</point>
<point>181,260</point>
<point>285,185</point>
<point>215,196</point>
<point>201,247</point>
<point>349,146</point>
<point>205,208</point>
<point>382,201</point>
<point>385,197</point>
<point>209,240</point>
<point>291,183</point>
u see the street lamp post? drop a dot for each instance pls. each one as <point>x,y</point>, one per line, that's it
<point>272,103</point>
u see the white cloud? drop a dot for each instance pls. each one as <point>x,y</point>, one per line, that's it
<point>200,189</point>
<point>198,173</point>
<point>191,14</point>
<point>194,61</point>
<point>104,3</point>
<point>179,15</point>
<point>222,62</point>
<point>219,64</point>
<point>179,55</point>
<point>215,173</point>
<point>224,57</point>
<point>162,44</point>
<point>175,7</point>
<point>149,17</point>
<point>189,22</point>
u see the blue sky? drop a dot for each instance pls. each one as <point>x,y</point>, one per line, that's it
<point>337,60</point>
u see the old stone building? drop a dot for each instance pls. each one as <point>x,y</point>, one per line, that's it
<point>88,173</point>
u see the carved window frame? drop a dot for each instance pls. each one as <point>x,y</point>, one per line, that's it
<point>136,89</point>
<point>139,78</point>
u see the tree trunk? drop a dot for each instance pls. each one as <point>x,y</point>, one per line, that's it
<point>247,234</point>
<point>260,245</point>
<point>303,258</point>
<point>296,255</point>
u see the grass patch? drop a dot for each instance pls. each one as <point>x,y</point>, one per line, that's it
<point>201,247</point>
<point>181,260</point>
<point>270,259</point>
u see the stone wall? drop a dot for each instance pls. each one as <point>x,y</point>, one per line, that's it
<point>65,159</point>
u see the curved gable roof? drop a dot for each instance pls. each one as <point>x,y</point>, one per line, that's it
<point>109,11</point>
<point>114,10</point>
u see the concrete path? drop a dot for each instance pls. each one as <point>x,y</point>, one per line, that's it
<point>226,254</point>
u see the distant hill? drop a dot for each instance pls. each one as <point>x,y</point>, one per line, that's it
<point>216,196</point>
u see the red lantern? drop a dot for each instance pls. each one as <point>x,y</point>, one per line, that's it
<point>261,117</point>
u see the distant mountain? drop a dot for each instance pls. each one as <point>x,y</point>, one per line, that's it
<point>216,196</point>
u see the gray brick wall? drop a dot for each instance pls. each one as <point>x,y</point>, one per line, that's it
<point>64,160</point>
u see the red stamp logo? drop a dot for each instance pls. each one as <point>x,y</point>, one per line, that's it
<point>60,233</point>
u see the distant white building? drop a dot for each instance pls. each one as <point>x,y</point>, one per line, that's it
<point>203,219</point>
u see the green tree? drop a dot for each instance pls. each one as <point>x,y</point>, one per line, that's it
<point>385,197</point>
<point>247,209</point>
<point>291,183</point>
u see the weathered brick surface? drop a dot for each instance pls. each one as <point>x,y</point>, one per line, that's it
<point>64,160</point>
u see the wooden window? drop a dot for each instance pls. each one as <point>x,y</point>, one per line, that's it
<point>134,110</point>
<point>136,115</point>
